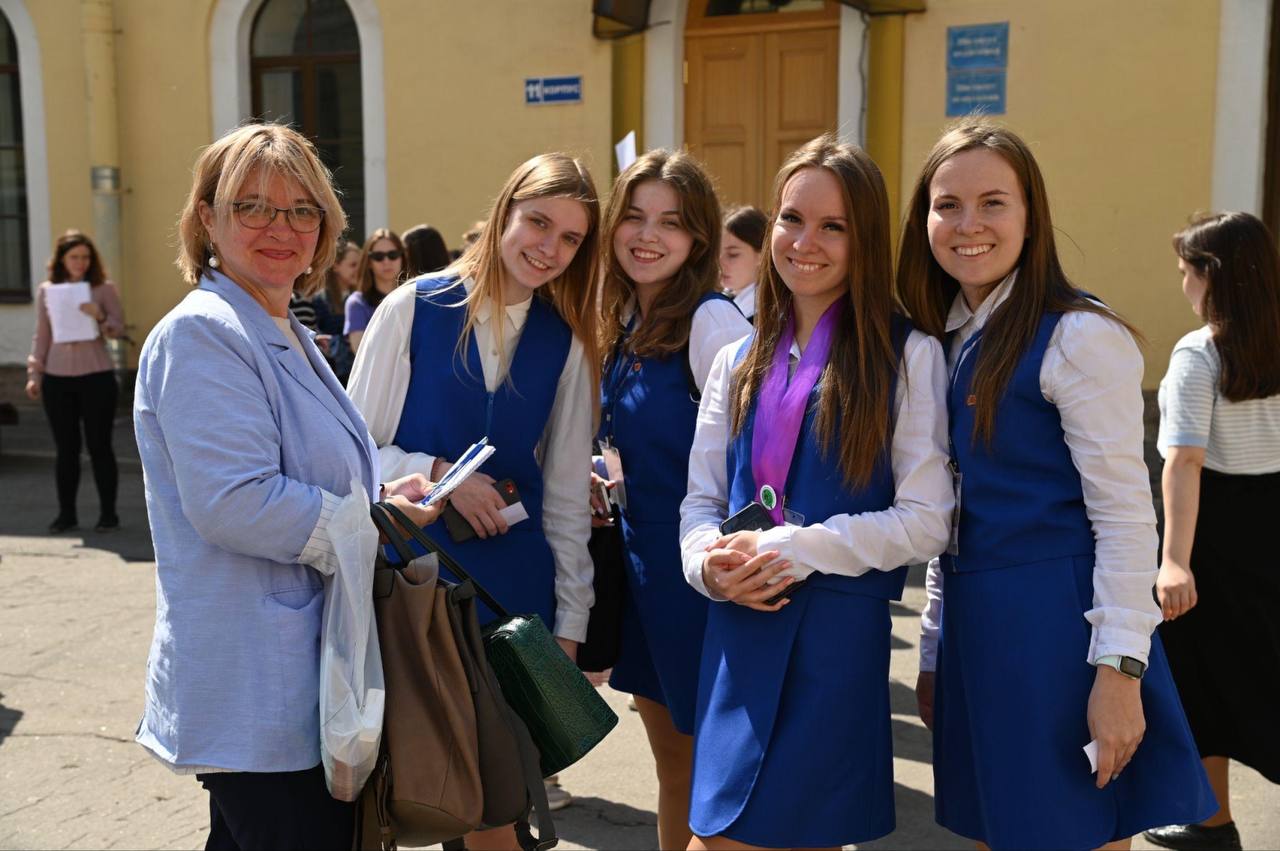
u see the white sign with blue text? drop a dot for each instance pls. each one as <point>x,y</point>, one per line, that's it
<point>542,90</point>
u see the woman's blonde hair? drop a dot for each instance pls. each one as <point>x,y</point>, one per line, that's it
<point>665,330</point>
<point>573,294</point>
<point>258,151</point>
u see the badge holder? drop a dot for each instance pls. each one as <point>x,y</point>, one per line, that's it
<point>613,466</point>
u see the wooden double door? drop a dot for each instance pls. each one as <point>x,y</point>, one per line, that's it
<point>752,98</point>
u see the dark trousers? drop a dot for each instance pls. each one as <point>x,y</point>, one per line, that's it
<point>68,401</point>
<point>249,811</point>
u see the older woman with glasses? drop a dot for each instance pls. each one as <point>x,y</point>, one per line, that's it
<point>232,397</point>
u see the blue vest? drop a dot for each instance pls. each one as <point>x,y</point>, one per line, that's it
<point>648,411</point>
<point>816,487</point>
<point>447,408</point>
<point>1021,497</point>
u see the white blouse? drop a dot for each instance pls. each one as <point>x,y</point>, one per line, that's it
<point>914,529</point>
<point>745,299</point>
<point>1092,372</point>
<point>380,381</point>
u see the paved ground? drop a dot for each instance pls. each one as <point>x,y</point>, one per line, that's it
<point>75,624</point>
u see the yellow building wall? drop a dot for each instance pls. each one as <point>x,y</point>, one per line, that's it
<point>1117,101</point>
<point>457,123</point>
<point>57,24</point>
<point>162,75</point>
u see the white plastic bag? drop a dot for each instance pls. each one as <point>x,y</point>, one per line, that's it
<point>352,691</point>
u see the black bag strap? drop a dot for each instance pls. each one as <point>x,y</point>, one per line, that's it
<point>447,561</point>
<point>390,532</point>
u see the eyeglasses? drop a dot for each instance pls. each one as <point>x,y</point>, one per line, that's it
<point>379,256</point>
<point>258,216</point>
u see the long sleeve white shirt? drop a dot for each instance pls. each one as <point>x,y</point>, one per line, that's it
<point>1092,371</point>
<point>380,381</point>
<point>912,530</point>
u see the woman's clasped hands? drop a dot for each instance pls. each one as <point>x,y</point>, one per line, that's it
<point>735,570</point>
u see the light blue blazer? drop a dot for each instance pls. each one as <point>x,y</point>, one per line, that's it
<point>237,435</point>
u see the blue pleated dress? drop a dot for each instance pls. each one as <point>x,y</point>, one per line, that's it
<point>1013,679</point>
<point>792,742</point>
<point>648,414</point>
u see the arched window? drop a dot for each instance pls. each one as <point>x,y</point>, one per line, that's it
<point>15,259</point>
<point>305,64</point>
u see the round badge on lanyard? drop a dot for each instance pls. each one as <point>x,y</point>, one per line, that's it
<point>768,497</point>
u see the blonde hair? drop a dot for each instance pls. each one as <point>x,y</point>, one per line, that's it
<point>261,151</point>
<point>573,293</point>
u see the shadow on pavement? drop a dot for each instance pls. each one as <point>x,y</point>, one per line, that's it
<point>596,823</point>
<point>28,504</point>
<point>916,827</point>
<point>9,718</point>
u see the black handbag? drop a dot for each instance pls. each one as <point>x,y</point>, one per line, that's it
<point>604,625</point>
<point>565,715</point>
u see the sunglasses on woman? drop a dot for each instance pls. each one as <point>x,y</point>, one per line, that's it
<point>379,256</point>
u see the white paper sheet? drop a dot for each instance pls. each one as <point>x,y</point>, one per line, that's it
<point>70,323</point>
<point>1091,751</point>
<point>625,151</point>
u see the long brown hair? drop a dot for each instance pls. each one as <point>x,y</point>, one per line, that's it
<point>1237,257</point>
<point>1041,286</point>
<point>334,291</point>
<point>854,399</point>
<point>96,274</point>
<point>665,328</point>
<point>573,294</point>
<point>368,284</point>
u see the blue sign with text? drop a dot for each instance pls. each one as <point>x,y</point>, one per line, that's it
<point>975,92</point>
<point>977,69</point>
<point>539,90</point>
<point>978,46</point>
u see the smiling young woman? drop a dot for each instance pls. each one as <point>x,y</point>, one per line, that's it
<point>1046,641</point>
<point>502,344</point>
<point>663,325</point>
<point>830,419</point>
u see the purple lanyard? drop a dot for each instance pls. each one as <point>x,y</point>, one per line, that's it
<point>782,405</point>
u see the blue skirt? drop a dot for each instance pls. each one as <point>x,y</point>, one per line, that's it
<point>662,624</point>
<point>792,745</point>
<point>1010,720</point>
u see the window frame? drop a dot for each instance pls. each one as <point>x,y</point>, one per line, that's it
<point>18,292</point>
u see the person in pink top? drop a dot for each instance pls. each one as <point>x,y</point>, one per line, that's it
<point>75,381</point>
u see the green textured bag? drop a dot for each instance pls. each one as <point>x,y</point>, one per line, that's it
<point>565,715</point>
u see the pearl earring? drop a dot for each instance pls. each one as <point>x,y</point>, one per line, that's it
<point>308,272</point>
<point>213,258</point>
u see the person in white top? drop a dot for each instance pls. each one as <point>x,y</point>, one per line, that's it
<point>741,243</point>
<point>1052,556</point>
<point>663,324</point>
<point>503,345</point>
<point>1220,438</point>
<point>821,441</point>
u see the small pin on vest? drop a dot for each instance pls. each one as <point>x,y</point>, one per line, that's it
<point>768,497</point>
<point>971,400</point>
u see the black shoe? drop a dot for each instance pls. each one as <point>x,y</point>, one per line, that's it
<point>62,524</point>
<point>1195,836</point>
<point>107,523</point>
